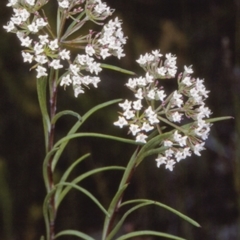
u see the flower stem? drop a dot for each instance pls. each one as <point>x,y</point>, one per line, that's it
<point>53,104</point>
<point>127,176</point>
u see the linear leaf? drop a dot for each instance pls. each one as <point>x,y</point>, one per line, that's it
<point>121,221</point>
<point>86,192</point>
<point>65,112</point>
<point>186,218</point>
<point>148,233</point>
<point>118,69</point>
<point>74,233</point>
<point>68,171</point>
<point>111,210</point>
<point>95,135</point>
<point>84,176</point>
<point>41,91</point>
<point>78,124</point>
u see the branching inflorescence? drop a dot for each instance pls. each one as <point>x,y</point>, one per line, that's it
<point>152,108</point>
<point>49,50</point>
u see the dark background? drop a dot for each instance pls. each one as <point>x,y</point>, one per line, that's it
<point>204,33</point>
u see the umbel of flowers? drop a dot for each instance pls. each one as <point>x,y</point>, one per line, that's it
<point>152,108</point>
<point>48,50</point>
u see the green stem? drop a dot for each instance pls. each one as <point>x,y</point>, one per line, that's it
<point>116,203</point>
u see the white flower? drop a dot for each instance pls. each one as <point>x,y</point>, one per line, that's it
<point>176,117</point>
<point>187,81</point>
<point>197,148</point>
<point>74,69</point>
<point>169,165</point>
<point>128,114</point>
<point>64,54</point>
<point>160,95</point>
<point>95,81</point>
<point>153,119</point>
<point>179,156</point>
<point>63,4</point>
<point>33,27</point>
<point>149,78</point>
<point>203,112</point>
<point>137,105</point>
<point>167,143</point>
<point>162,71</point>
<point>41,71</point>
<point>142,60</point>
<point>134,129</point>
<point>78,90</point>
<point>27,57</point>
<point>40,22</point>
<point>151,94</point>
<point>41,59</point>
<point>9,27</point>
<point>105,53</point>
<point>94,67</point>
<point>161,160</point>
<point>126,105</point>
<point>38,48</point>
<point>146,127</point>
<point>26,42</point>
<point>169,152</point>
<point>186,152</point>
<point>81,59</point>
<point>30,2</point>
<point>89,50</point>
<point>139,94</point>
<point>43,39</point>
<point>149,111</point>
<point>66,80</point>
<point>188,69</point>
<point>121,122</point>
<point>22,13</point>
<point>56,64</point>
<point>11,3</point>
<point>53,45</point>
<point>141,138</point>
<point>157,53</point>
<point>132,83</point>
<point>177,99</point>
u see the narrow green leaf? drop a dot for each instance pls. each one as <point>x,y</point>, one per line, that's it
<point>186,218</point>
<point>78,125</point>
<point>67,173</point>
<point>74,233</point>
<point>148,233</point>
<point>118,69</point>
<point>46,213</point>
<point>95,135</point>
<point>42,91</point>
<point>84,176</point>
<point>72,166</point>
<point>86,192</point>
<point>58,22</point>
<point>72,27</point>
<point>111,210</point>
<point>211,120</point>
<point>65,112</point>
<point>129,168</point>
<point>121,221</point>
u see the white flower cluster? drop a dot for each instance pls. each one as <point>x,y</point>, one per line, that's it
<point>49,52</point>
<point>152,108</point>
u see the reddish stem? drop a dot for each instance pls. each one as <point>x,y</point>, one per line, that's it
<point>53,103</point>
